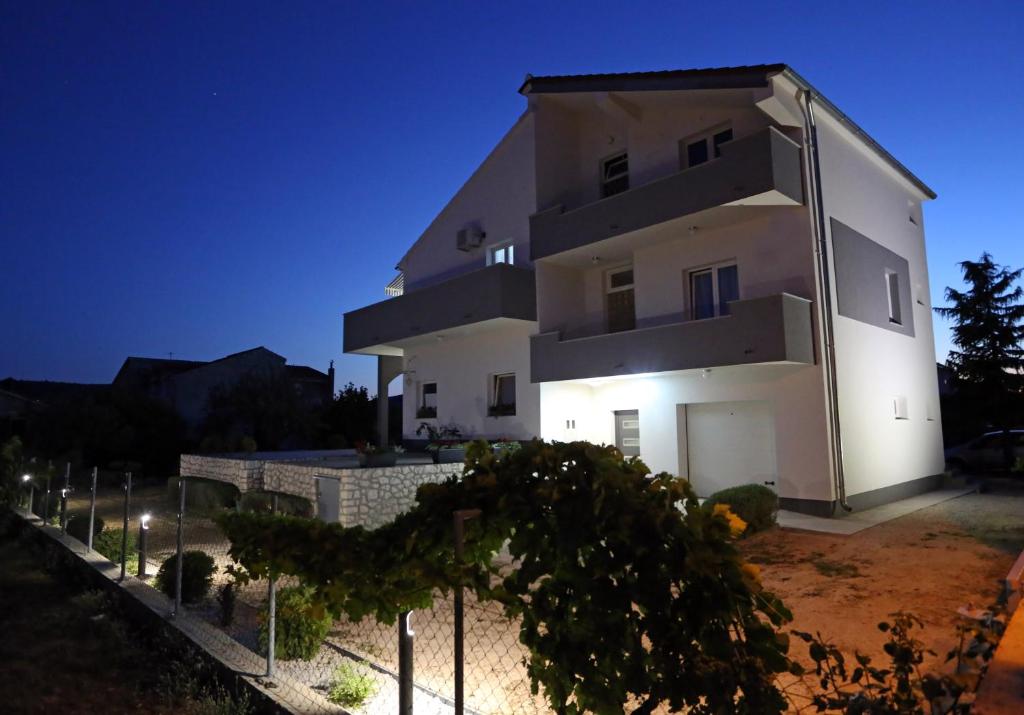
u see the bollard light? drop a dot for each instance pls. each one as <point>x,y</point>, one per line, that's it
<point>26,478</point>
<point>143,528</point>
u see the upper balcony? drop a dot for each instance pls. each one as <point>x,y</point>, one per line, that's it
<point>478,298</point>
<point>761,169</point>
<point>773,329</point>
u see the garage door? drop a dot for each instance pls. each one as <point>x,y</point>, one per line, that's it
<point>728,444</point>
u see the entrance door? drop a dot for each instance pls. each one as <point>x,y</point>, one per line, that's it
<point>627,432</point>
<point>328,497</point>
<point>729,444</point>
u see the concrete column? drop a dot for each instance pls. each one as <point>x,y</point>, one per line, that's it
<point>388,368</point>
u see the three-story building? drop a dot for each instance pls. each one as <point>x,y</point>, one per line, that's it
<point>715,270</point>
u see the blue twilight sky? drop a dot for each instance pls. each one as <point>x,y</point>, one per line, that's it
<point>204,177</point>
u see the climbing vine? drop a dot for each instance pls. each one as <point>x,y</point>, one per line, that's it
<point>630,594</point>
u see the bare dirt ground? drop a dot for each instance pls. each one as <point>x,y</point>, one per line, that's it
<point>929,563</point>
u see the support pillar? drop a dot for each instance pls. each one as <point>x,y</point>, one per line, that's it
<point>388,368</point>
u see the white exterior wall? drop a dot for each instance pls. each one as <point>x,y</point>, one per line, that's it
<point>462,368</point>
<point>498,198</point>
<point>875,365</point>
<point>795,393</point>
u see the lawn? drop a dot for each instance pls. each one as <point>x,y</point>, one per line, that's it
<point>929,562</point>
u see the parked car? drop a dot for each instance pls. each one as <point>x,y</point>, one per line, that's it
<point>984,453</point>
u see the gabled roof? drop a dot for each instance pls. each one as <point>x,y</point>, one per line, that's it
<point>304,372</point>
<point>741,77</point>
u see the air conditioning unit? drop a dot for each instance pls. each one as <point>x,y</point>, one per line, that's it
<point>467,239</point>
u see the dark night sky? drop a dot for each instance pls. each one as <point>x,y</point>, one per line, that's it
<point>204,177</point>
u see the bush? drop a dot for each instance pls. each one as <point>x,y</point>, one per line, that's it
<point>78,526</point>
<point>755,504</point>
<point>203,496</point>
<point>289,504</point>
<point>108,543</point>
<point>298,634</point>
<point>196,576</point>
<point>352,685</point>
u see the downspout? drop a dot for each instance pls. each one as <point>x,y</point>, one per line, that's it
<point>825,292</point>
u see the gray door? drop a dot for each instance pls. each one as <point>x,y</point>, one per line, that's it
<point>328,496</point>
<point>627,432</point>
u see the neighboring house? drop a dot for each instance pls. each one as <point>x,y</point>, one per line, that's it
<point>186,385</point>
<point>716,270</point>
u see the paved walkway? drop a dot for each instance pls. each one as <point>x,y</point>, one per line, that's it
<point>855,521</point>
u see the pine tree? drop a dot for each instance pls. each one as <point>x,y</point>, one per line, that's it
<point>988,333</point>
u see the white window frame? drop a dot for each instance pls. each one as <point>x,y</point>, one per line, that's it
<point>603,168</point>
<point>615,271</point>
<point>706,135</point>
<point>895,309</point>
<point>496,391</point>
<point>503,252</point>
<point>713,268</point>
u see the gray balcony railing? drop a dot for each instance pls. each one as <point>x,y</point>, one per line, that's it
<point>498,291</point>
<point>749,167</point>
<point>776,328</point>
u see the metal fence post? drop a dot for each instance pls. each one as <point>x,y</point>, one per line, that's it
<point>459,518</point>
<point>64,499</point>
<point>405,662</point>
<point>124,530</point>
<point>46,499</point>
<point>271,609</point>
<point>92,510</point>
<point>180,549</point>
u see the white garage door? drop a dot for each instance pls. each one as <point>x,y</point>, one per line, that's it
<point>730,443</point>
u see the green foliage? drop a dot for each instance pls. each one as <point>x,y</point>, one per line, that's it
<point>261,503</point>
<point>203,496</point>
<point>352,685</point>
<point>301,628</point>
<point>78,525</point>
<point>11,463</point>
<point>349,418</point>
<point>108,543</point>
<point>260,408</point>
<point>197,569</point>
<point>627,589</point>
<point>754,503</point>
<point>900,688</point>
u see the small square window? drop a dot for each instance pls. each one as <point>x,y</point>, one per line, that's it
<point>615,175</point>
<point>503,395</point>
<point>503,253</point>
<point>892,289</point>
<point>719,139</point>
<point>428,400</point>
<point>704,146</point>
<point>697,152</point>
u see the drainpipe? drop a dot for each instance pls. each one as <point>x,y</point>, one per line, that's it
<point>825,291</point>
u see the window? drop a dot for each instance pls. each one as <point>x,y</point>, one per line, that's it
<point>615,175</point>
<point>712,289</point>
<point>503,395</point>
<point>502,253</point>
<point>428,400</point>
<point>619,302</point>
<point>699,148</point>
<point>892,289</point>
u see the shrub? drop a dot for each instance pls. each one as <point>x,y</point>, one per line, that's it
<point>352,685</point>
<point>299,633</point>
<point>196,575</point>
<point>260,503</point>
<point>755,504</point>
<point>108,543</point>
<point>78,526</point>
<point>203,496</point>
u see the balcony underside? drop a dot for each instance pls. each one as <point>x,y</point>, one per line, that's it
<point>481,300</point>
<point>774,329</point>
<point>763,169</point>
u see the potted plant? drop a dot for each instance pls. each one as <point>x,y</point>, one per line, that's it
<point>501,410</point>
<point>446,443</point>
<point>426,412</point>
<point>370,455</point>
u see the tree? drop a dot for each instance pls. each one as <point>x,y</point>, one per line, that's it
<point>988,332</point>
<point>349,418</point>
<point>11,462</point>
<point>261,406</point>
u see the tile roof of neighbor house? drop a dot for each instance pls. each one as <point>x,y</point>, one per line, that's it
<point>304,371</point>
<point>162,367</point>
<point>740,77</point>
<point>52,391</point>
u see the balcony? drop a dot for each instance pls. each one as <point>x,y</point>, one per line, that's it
<point>762,169</point>
<point>479,298</point>
<point>773,329</point>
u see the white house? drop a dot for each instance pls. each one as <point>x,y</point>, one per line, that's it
<point>713,269</point>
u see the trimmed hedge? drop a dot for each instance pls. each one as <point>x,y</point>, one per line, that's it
<point>108,543</point>
<point>196,575</point>
<point>754,503</point>
<point>78,526</point>
<point>288,504</point>
<point>203,496</point>
<point>298,635</point>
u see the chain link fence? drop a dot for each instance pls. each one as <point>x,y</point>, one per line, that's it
<point>356,666</point>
